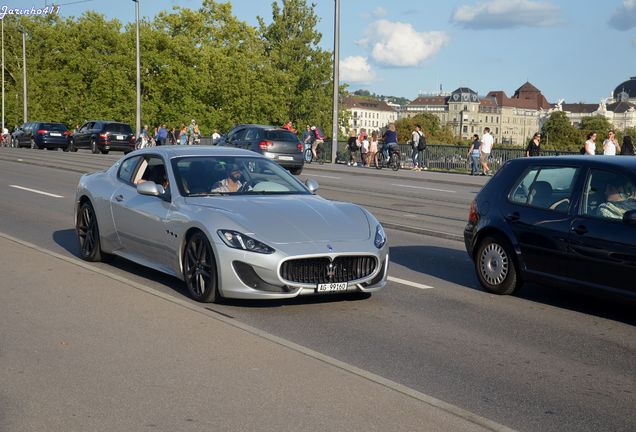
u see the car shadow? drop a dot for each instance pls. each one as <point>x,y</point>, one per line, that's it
<point>453,265</point>
<point>68,240</point>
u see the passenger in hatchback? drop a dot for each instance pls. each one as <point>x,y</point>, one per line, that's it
<point>618,201</point>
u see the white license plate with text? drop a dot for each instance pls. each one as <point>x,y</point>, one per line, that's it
<point>120,137</point>
<point>285,158</point>
<point>332,287</point>
<point>55,134</point>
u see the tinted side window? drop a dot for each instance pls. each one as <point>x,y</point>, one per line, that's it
<point>251,134</point>
<point>547,188</point>
<point>127,169</point>
<point>239,135</point>
<point>608,195</point>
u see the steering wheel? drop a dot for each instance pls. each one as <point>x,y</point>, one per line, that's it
<point>247,186</point>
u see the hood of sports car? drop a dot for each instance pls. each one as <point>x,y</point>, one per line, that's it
<point>290,218</point>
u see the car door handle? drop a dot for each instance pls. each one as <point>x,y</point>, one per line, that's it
<point>119,198</point>
<point>580,230</point>
<point>513,217</point>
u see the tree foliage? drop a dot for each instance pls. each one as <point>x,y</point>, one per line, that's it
<point>202,64</point>
<point>434,131</point>
<point>559,134</point>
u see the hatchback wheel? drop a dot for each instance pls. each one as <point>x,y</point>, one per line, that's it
<point>495,266</point>
<point>88,233</point>
<point>199,269</point>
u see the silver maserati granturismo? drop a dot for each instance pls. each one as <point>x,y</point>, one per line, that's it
<point>230,223</point>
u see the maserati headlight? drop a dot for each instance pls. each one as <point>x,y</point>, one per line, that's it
<point>380,237</point>
<point>237,240</point>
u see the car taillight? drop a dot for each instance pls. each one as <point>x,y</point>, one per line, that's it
<point>103,135</point>
<point>264,145</point>
<point>42,131</point>
<point>473,215</point>
<point>299,146</point>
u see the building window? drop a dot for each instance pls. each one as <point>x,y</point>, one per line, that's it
<point>465,129</point>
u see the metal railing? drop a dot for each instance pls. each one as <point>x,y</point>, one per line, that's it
<point>441,157</point>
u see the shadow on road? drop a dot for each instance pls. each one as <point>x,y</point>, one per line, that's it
<point>455,266</point>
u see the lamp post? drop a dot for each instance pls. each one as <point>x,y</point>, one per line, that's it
<point>336,80</point>
<point>138,114</point>
<point>24,75</point>
<point>3,76</point>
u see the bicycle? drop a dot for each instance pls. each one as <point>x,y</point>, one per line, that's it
<point>393,162</point>
<point>308,155</point>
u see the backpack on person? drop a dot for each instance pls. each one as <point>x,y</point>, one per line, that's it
<point>421,144</point>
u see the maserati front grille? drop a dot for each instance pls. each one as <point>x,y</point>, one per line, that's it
<point>324,270</point>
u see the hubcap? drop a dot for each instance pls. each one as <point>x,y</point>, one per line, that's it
<point>494,264</point>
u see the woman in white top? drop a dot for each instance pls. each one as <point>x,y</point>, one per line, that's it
<point>610,145</point>
<point>590,145</point>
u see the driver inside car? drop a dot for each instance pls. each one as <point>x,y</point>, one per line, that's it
<point>232,183</point>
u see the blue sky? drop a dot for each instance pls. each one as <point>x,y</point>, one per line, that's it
<point>575,50</point>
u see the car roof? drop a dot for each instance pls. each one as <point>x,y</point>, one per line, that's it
<point>599,161</point>
<point>174,151</point>
<point>259,126</point>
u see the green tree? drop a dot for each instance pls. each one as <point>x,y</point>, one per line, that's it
<point>559,134</point>
<point>292,47</point>
<point>598,124</point>
<point>431,126</point>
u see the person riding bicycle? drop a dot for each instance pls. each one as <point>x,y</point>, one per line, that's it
<point>390,142</point>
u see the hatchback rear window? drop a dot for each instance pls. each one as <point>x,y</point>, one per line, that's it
<point>53,126</point>
<point>118,127</point>
<point>280,135</point>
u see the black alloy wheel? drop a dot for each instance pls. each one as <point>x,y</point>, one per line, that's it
<point>88,233</point>
<point>94,148</point>
<point>199,269</point>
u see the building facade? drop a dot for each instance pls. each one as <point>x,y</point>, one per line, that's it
<point>512,120</point>
<point>369,114</point>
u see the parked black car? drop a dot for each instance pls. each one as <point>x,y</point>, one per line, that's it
<point>103,136</point>
<point>557,220</point>
<point>41,135</point>
<point>276,143</point>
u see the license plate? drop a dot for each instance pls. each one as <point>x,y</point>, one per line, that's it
<point>55,134</point>
<point>285,158</point>
<point>120,137</point>
<point>332,287</point>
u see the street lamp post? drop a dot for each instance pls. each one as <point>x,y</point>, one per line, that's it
<point>336,80</point>
<point>24,75</point>
<point>3,76</point>
<point>138,114</point>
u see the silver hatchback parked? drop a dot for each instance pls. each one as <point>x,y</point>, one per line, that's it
<point>273,142</point>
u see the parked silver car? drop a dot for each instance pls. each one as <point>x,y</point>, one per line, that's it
<point>230,223</point>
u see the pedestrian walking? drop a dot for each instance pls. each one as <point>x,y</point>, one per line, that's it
<point>610,145</point>
<point>172,136</point>
<point>589,148</point>
<point>215,137</point>
<point>318,141</point>
<point>627,149</point>
<point>363,139</point>
<point>353,147</point>
<point>474,151</point>
<point>183,135</point>
<point>487,142</point>
<point>162,135</point>
<point>418,141</point>
<point>373,149</point>
<point>533,148</point>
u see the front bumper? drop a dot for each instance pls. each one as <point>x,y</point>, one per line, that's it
<point>264,279</point>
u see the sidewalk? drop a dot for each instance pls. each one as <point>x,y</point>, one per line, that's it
<point>84,349</point>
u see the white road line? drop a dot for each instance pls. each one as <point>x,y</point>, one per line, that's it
<point>324,176</point>
<point>422,187</point>
<point>36,191</point>
<point>409,283</point>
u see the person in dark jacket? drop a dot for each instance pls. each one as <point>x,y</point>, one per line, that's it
<point>627,148</point>
<point>533,148</point>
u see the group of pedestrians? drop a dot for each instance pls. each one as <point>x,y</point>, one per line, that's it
<point>367,148</point>
<point>610,145</point>
<point>479,153</point>
<point>161,135</point>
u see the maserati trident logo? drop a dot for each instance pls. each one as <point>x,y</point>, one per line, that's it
<point>331,271</point>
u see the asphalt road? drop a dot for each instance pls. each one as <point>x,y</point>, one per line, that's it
<point>543,360</point>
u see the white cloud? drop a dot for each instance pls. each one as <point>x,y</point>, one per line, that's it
<point>503,14</point>
<point>398,44</point>
<point>378,12</point>
<point>624,17</point>
<point>356,69</point>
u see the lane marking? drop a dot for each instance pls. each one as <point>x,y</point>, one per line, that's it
<point>324,176</point>
<point>422,187</point>
<point>36,191</point>
<point>409,283</point>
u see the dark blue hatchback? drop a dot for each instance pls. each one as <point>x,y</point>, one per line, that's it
<point>557,220</point>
